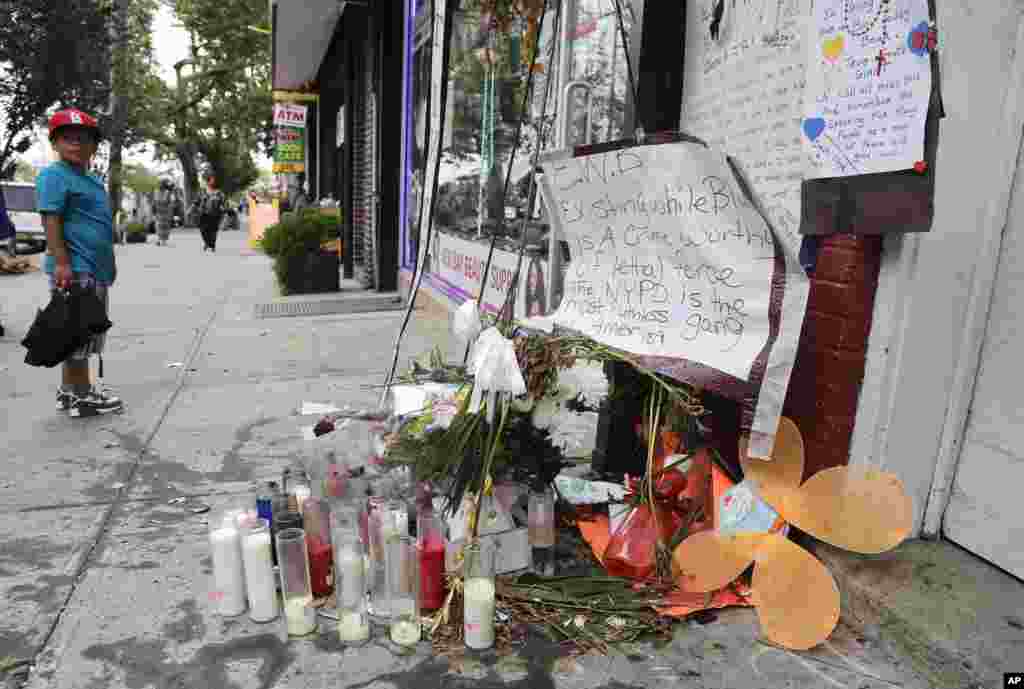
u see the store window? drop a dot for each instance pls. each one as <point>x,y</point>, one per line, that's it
<point>489,71</point>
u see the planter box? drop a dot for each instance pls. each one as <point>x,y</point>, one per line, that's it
<point>135,238</point>
<point>313,273</point>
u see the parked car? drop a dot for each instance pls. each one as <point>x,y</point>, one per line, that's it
<point>21,207</point>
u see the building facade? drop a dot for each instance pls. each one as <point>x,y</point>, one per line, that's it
<point>906,355</point>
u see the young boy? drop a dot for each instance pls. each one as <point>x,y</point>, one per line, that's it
<point>79,245</point>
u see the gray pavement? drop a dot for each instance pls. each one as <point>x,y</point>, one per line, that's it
<point>106,584</point>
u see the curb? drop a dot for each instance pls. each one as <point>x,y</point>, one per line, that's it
<point>905,600</point>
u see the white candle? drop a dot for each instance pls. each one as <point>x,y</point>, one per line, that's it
<point>353,627</point>
<point>259,577</point>
<point>228,572</point>
<point>300,616</point>
<point>351,576</point>
<point>478,612</point>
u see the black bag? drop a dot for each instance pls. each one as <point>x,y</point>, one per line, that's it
<point>67,323</point>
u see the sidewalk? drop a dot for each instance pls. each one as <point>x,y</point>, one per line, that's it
<point>107,583</point>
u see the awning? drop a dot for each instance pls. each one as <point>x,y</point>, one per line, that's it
<point>301,39</point>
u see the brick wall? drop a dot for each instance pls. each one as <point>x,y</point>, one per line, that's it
<point>825,386</point>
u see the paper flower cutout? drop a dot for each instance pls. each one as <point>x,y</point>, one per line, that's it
<point>796,598</point>
<point>466,323</point>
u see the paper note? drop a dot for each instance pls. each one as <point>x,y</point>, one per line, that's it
<point>669,258</point>
<point>868,86</point>
<point>744,96</point>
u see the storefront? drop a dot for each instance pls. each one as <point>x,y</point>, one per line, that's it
<point>590,99</point>
<point>351,56</point>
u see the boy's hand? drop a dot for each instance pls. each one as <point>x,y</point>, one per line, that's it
<point>62,274</point>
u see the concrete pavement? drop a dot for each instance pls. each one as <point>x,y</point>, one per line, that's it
<point>106,584</point>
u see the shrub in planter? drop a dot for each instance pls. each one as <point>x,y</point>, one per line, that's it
<point>135,233</point>
<point>300,264</point>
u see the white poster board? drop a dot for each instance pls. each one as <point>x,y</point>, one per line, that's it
<point>744,95</point>
<point>869,82</point>
<point>669,258</point>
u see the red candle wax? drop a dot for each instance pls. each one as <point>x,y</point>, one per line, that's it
<point>432,574</point>
<point>320,566</point>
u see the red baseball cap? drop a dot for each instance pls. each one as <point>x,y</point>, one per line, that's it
<point>72,117</point>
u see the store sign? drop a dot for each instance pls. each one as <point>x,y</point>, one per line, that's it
<point>456,267</point>
<point>289,137</point>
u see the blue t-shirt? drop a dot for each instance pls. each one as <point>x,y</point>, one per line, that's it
<point>81,200</point>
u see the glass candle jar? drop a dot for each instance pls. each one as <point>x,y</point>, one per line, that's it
<point>228,595</point>
<point>299,490</point>
<point>403,580</point>
<point>299,613</point>
<point>316,520</point>
<point>376,572</point>
<point>259,571</point>
<point>350,587</point>
<point>430,541</point>
<point>540,522</point>
<point>478,595</point>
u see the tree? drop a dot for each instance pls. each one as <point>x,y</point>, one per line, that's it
<point>219,112</point>
<point>140,179</point>
<point>52,52</point>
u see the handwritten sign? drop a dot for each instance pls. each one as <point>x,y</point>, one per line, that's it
<point>744,96</point>
<point>868,85</point>
<point>669,258</point>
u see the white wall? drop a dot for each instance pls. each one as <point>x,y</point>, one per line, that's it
<point>935,288</point>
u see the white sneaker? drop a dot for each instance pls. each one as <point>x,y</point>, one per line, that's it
<point>93,405</point>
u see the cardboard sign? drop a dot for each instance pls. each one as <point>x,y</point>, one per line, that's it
<point>669,258</point>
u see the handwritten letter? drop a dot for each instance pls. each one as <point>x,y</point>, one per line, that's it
<point>868,86</point>
<point>668,256</point>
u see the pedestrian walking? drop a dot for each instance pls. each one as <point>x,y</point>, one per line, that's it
<point>163,207</point>
<point>211,208</point>
<point>8,236</point>
<point>79,246</point>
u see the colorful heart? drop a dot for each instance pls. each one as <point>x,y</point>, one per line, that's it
<point>917,39</point>
<point>813,127</point>
<point>833,48</point>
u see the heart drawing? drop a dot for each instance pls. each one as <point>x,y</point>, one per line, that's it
<point>832,48</point>
<point>813,127</point>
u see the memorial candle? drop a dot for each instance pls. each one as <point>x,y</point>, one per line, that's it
<point>259,572</point>
<point>228,570</point>
<point>291,553</point>
<point>431,552</point>
<point>478,596</point>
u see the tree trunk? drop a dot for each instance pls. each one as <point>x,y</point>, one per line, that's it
<point>187,159</point>
<point>117,113</point>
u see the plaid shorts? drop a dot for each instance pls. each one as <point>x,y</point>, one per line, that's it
<point>96,344</point>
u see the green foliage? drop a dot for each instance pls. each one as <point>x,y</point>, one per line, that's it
<point>296,234</point>
<point>135,228</point>
<point>52,52</point>
<point>139,178</point>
